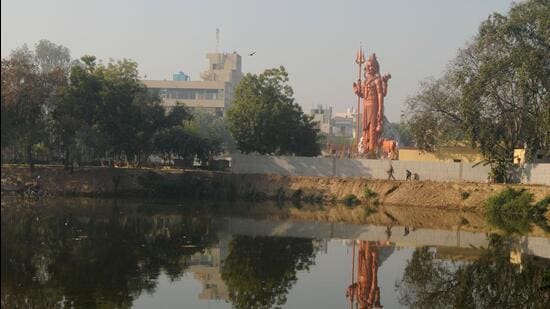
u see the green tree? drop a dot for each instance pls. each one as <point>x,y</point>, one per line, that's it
<point>496,92</point>
<point>433,115</point>
<point>265,118</point>
<point>505,79</point>
<point>27,95</point>
<point>107,110</point>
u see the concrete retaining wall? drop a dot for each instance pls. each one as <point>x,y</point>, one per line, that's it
<point>375,169</point>
<point>537,173</point>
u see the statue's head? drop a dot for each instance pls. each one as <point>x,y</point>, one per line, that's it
<point>373,67</point>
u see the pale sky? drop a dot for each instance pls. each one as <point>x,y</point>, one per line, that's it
<point>316,41</point>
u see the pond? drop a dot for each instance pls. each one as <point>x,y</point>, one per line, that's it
<point>117,254</point>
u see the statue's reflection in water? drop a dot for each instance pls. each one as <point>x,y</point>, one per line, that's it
<point>365,293</point>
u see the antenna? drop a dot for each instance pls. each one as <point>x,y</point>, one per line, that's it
<point>217,39</point>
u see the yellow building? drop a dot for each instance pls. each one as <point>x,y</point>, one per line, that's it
<point>445,154</point>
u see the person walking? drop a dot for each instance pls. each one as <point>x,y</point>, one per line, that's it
<point>390,173</point>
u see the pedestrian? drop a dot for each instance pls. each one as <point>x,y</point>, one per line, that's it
<point>409,174</point>
<point>390,173</point>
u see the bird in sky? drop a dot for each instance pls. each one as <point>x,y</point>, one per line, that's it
<point>252,54</point>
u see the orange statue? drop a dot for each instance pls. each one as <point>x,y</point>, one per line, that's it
<point>373,91</point>
<point>366,290</point>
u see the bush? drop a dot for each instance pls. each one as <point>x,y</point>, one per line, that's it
<point>511,210</point>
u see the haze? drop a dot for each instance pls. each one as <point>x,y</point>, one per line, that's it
<point>316,42</point>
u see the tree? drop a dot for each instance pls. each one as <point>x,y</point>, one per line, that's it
<point>106,110</point>
<point>50,56</point>
<point>433,116</point>
<point>32,85</point>
<point>27,92</point>
<point>496,92</point>
<point>265,118</point>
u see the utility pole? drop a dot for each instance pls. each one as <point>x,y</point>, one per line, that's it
<point>217,40</point>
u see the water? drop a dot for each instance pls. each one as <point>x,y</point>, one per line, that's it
<point>89,253</point>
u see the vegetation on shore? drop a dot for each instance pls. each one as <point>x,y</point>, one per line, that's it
<point>513,211</point>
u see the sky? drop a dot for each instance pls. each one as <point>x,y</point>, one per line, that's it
<point>315,41</point>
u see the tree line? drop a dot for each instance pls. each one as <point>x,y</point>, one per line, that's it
<point>84,110</point>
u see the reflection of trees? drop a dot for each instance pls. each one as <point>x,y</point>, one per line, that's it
<point>259,271</point>
<point>110,259</point>
<point>490,282</point>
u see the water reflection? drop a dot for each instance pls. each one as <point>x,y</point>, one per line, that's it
<point>115,255</point>
<point>370,255</point>
<point>259,271</point>
<point>501,276</point>
<point>55,258</point>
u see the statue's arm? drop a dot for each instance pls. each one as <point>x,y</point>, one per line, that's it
<point>357,89</point>
<point>385,79</point>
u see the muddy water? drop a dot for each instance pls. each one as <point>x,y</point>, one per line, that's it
<point>93,253</point>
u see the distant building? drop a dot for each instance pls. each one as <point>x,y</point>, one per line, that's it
<point>212,94</point>
<point>343,124</point>
<point>322,118</point>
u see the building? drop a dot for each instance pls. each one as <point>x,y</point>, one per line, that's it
<point>343,124</point>
<point>322,117</point>
<point>211,94</point>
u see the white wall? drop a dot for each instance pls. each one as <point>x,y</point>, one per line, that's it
<point>375,169</point>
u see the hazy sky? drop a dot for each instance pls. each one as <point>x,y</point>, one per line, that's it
<point>315,40</point>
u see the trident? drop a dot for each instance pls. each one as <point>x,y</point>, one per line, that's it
<point>359,59</point>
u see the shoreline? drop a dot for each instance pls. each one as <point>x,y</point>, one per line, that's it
<point>223,186</point>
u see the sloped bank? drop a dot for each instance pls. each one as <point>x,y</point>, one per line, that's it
<point>227,186</point>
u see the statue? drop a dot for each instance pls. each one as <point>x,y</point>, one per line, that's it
<point>373,91</point>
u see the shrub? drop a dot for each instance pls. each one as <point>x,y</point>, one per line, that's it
<point>511,210</point>
<point>464,195</point>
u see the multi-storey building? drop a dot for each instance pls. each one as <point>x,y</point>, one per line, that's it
<point>212,94</point>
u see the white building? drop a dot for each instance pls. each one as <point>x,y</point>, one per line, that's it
<point>212,94</point>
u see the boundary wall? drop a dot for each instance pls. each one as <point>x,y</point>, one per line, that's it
<point>376,169</point>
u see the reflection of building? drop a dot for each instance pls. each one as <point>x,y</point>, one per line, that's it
<point>207,269</point>
<point>213,94</point>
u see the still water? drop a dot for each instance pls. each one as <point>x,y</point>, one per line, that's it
<point>88,254</point>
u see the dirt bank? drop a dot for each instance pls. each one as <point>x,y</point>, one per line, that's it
<point>219,185</point>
